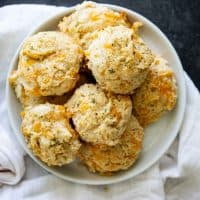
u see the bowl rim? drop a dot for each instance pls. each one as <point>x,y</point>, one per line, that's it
<point>176,127</point>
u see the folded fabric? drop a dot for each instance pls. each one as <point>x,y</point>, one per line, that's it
<point>174,177</point>
<point>11,160</point>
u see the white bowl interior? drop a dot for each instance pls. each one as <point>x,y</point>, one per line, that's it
<point>158,136</point>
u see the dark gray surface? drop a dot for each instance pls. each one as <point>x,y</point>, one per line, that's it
<point>178,19</point>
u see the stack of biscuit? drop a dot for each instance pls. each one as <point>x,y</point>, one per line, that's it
<point>89,89</point>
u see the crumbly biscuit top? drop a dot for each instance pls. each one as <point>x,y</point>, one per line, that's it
<point>49,64</point>
<point>88,18</point>
<point>99,117</point>
<point>48,133</point>
<point>157,95</point>
<point>105,159</point>
<point>118,61</point>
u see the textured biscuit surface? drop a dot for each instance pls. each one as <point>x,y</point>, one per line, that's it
<point>49,64</point>
<point>158,93</point>
<point>119,62</point>
<point>88,19</point>
<point>105,159</point>
<point>24,99</point>
<point>99,117</point>
<point>49,135</point>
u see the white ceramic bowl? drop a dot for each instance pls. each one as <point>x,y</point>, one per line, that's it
<point>158,136</point>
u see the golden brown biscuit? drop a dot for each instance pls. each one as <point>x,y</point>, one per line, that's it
<point>106,159</point>
<point>24,99</point>
<point>49,135</point>
<point>49,64</point>
<point>119,62</point>
<point>157,95</point>
<point>89,18</point>
<point>99,117</point>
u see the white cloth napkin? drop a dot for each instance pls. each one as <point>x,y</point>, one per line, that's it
<point>175,176</point>
<point>11,160</point>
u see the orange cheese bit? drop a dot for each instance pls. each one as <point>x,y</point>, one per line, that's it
<point>37,127</point>
<point>22,114</point>
<point>107,46</point>
<point>83,107</point>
